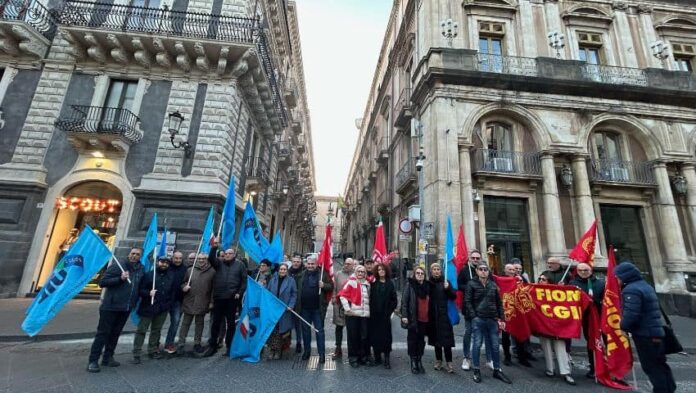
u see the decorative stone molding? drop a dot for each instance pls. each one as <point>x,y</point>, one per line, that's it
<point>77,51</point>
<point>202,61</point>
<point>182,58</point>
<point>222,60</point>
<point>118,53</point>
<point>162,57</point>
<point>29,41</point>
<point>242,66</point>
<point>619,5</point>
<point>95,50</point>
<point>141,54</point>
<point>644,9</point>
<point>9,46</point>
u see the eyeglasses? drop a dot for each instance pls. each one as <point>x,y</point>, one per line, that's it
<point>542,279</point>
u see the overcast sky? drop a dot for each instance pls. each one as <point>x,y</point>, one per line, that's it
<point>340,41</point>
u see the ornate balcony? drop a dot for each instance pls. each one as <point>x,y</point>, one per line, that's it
<point>405,179</point>
<point>100,128</point>
<point>301,146</point>
<point>257,174</point>
<point>383,151</point>
<point>26,28</point>
<point>638,173</point>
<point>507,163</point>
<point>166,41</point>
<point>284,154</point>
<point>403,108</point>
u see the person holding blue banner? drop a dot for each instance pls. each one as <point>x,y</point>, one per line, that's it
<point>440,331</point>
<point>228,288</point>
<point>120,298</point>
<point>154,314</point>
<point>178,270</point>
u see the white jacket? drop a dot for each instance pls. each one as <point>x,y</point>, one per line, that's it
<point>358,310</point>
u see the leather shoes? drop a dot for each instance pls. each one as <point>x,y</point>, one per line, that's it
<point>305,356</point>
<point>498,374</point>
<point>507,362</point>
<point>298,348</point>
<point>569,380</point>
<point>93,367</point>
<point>525,363</point>
<point>322,359</point>
<point>136,360</point>
<point>110,362</point>
<point>477,375</point>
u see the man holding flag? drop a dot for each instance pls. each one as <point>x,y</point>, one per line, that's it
<point>120,298</point>
<point>594,287</point>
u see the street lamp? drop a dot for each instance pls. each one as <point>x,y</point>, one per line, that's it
<point>566,176</point>
<point>680,184</point>
<point>449,30</point>
<point>659,50</point>
<point>175,121</point>
<point>557,42</point>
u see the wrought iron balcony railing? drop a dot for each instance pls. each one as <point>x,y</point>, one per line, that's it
<point>627,172</point>
<point>507,64</point>
<point>511,162</point>
<point>405,175</point>
<point>257,169</point>
<point>101,120</point>
<point>33,13</point>
<point>124,17</point>
<point>403,108</point>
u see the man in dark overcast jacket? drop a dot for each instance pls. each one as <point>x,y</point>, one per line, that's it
<point>229,285</point>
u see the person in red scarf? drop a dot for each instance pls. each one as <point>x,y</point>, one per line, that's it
<point>355,300</point>
<point>415,316</point>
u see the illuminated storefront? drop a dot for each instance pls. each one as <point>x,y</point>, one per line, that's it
<point>94,203</point>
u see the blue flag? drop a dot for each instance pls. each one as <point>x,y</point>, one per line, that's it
<point>250,237</point>
<point>149,244</point>
<point>162,250</point>
<point>274,253</point>
<point>207,232</point>
<point>260,313</point>
<point>228,218</point>
<point>452,311</point>
<point>75,270</point>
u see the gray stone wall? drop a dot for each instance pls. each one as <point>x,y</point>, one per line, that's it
<point>15,106</point>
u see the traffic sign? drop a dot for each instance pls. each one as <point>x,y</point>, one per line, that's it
<point>405,226</point>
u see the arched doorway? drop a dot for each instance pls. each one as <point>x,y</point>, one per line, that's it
<point>94,203</point>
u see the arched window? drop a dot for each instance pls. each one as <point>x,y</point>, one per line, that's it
<point>499,137</point>
<point>607,146</point>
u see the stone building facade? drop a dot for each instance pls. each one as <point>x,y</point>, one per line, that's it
<point>526,143</point>
<point>91,92</point>
<point>328,210</point>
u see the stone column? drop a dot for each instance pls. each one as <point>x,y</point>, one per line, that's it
<point>669,227</point>
<point>552,15</point>
<point>552,208</point>
<point>623,29</point>
<point>466,195</point>
<point>689,172</point>
<point>583,195</point>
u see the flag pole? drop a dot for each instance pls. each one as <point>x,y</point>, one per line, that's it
<point>570,263</point>
<point>154,274</point>
<point>302,319</point>
<point>113,256</point>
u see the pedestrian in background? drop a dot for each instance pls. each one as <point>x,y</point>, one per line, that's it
<point>440,331</point>
<point>355,300</point>
<point>178,271</point>
<point>339,314</point>
<point>120,298</point>
<point>284,288</point>
<point>196,302</point>
<point>296,273</point>
<point>153,313</point>
<point>415,302</point>
<point>641,318</point>
<point>383,302</point>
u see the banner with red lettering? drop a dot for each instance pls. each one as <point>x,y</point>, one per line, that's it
<point>547,310</point>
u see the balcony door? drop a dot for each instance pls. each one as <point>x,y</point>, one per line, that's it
<point>507,231</point>
<point>499,144</point>
<point>491,53</point>
<point>609,162</point>
<point>116,114</point>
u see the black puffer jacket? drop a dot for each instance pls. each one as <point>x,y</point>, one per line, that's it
<point>230,277</point>
<point>482,301</point>
<point>164,297</point>
<point>119,295</point>
<point>440,332</point>
<point>409,300</point>
<point>178,272</point>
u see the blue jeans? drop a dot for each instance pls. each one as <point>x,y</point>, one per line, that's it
<point>174,318</point>
<point>467,341</point>
<point>486,329</point>
<point>298,329</point>
<point>313,317</point>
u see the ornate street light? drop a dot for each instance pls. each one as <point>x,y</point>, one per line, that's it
<point>449,30</point>
<point>659,50</point>
<point>175,121</point>
<point>680,184</point>
<point>566,176</point>
<point>557,42</point>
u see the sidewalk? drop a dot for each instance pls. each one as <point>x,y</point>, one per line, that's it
<point>78,320</point>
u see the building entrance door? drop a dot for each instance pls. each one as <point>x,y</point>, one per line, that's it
<point>623,228</point>
<point>507,232</point>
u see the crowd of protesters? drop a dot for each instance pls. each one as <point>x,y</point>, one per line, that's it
<point>363,296</point>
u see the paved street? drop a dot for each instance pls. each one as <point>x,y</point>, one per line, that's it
<point>58,366</point>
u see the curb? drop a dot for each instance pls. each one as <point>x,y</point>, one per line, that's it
<point>51,337</point>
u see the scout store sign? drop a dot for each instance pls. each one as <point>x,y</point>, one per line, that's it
<point>89,204</point>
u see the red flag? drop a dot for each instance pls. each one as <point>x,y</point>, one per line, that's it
<point>325,259</point>
<point>352,291</point>
<point>584,251</point>
<point>602,372</point>
<point>379,254</point>
<point>618,348</point>
<point>461,258</point>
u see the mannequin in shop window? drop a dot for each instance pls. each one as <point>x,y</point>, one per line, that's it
<point>65,246</point>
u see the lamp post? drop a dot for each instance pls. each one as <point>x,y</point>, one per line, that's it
<point>420,163</point>
<point>175,121</point>
<point>557,42</point>
<point>660,51</point>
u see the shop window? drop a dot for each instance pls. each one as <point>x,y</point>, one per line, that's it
<point>684,55</point>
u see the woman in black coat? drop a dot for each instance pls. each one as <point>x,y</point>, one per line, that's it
<point>383,302</point>
<point>414,316</point>
<point>440,332</point>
